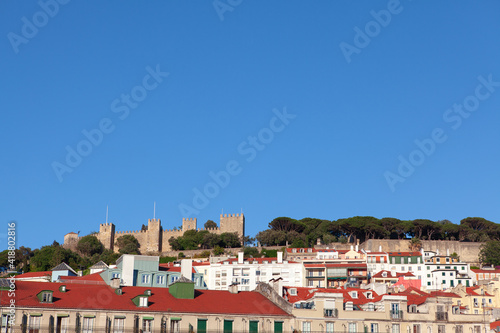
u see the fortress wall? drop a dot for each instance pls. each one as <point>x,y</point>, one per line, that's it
<point>467,251</point>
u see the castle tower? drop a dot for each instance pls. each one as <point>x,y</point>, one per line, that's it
<point>154,237</point>
<point>233,223</point>
<point>106,235</point>
<point>188,224</point>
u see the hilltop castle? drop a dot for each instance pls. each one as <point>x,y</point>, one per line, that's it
<point>155,239</point>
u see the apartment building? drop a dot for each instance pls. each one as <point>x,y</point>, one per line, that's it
<point>359,310</point>
<point>87,308</point>
<point>247,273</point>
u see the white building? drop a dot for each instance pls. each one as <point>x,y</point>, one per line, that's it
<point>247,273</point>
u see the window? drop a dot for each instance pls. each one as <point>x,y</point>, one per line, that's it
<point>306,327</point>
<point>412,308</point>
<point>62,324</point>
<point>143,301</point>
<point>395,328</point>
<point>88,325</point>
<point>145,278</point>
<point>352,327</point>
<point>5,324</point>
<point>441,329</point>
<point>147,326</point>
<point>459,329</point>
<point>253,326</point>
<point>47,297</point>
<point>175,326</point>
<point>160,279</point>
<point>354,294</point>
<point>371,307</point>
<point>34,324</point>
<point>293,291</point>
<point>329,328</point>
<point>477,329</point>
<point>202,326</point>
<point>115,275</point>
<point>416,328</point>
<point>118,325</point>
<point>373,328</point>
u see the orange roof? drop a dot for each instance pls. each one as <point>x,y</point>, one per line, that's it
<point>34,275</point>
<point>82,296</point>
<point>405,254</point>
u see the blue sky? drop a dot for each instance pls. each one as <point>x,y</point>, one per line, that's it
<point>314,107</point>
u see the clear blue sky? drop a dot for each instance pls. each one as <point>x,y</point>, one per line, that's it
<point>354,104</point>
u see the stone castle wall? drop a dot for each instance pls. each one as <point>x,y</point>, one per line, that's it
<point>155,239</point>
<point>467,251</point>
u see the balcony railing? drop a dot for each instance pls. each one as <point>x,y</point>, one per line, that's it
<point>331,313</point>
<point>442,316</point>
<point>395,314</point>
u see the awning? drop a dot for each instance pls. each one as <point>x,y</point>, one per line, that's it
<point>62,315</point>
<point>148,318</point>
<point>175,318</point>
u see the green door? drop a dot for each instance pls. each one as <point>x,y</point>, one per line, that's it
<point>278,327</point>
<point>202,326</point>
<point>228,326</point>
<point>254,327</point>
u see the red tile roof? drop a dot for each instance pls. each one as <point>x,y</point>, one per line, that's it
<point>103,297</point>
<point>172,268</point>
<point>259,260</point>
<point>304,294</point>
<point>347,265</point>
<point>472,291</point>
<point>440,293</point>
<point>485,270</point>
<point>405,254</point>
<point>34,275</point>
<point>495,325</point>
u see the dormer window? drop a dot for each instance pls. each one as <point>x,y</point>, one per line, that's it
<point>293,291</point>
<point>384,274</point>
<point>45,296</point>
<point>354,294</point>
<point>294,250</point>
<point>143,301</point>
<point>369,295</point>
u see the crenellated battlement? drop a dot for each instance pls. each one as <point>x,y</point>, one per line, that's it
<point>155,239</point>
<point>231,215</point>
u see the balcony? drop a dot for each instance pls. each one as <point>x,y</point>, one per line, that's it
<point>396,314</point>
<point>442,316</point>
<point>331,313</point>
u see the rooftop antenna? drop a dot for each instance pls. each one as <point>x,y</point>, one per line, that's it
<point>106,214</point>
<point>154,211</point>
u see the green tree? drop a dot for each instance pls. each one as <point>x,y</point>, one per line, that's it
<point>127,244</point>
<point>210,224</point>
<point>489,253</point>
<point>89,245</point>
<point>230,239</point>
<point>415,244</point>
<point>218,250</point>
<point>251,252</point>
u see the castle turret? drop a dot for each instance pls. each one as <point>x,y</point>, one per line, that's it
<point>188,224</point>
<point>154,237</point>
<point>233,223</point>
<point>107,235</point>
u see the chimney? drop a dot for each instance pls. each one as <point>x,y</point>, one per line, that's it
<point>233,288</point>
<point>280,257</point>
<point>447,252</point>
<point>352,248</point>
<point>240,257</point>
<point>115,283</point>
<point>380,248</point>
<point>393,273</point>
<point>187,268</point>
<point>357,247</point>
